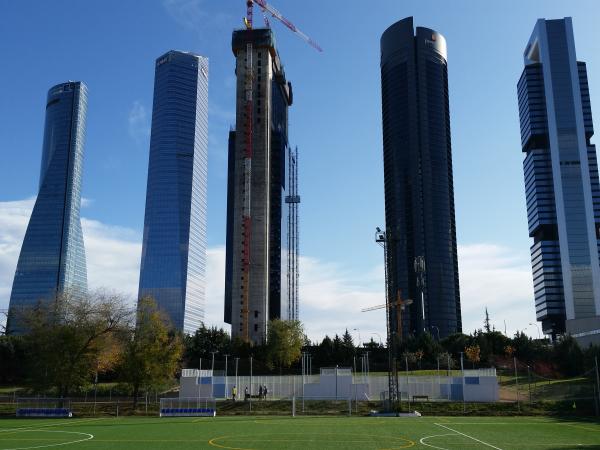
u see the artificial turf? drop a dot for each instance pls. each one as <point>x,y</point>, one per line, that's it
<point>304,433</point>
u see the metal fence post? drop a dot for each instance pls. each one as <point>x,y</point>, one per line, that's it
<point>597,380</point>
<point>517,383</point>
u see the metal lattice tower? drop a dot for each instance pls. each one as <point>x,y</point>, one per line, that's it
<point>293,238</point>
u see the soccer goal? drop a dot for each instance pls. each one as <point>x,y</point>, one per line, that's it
<point>307,406</point>
<point>188,407</point>
<point>44,407</point>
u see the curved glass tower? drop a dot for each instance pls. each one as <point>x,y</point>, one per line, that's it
<point>419,194</point>
<point>52,257</point>
<point>174,248</point>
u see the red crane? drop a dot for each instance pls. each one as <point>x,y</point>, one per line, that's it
<point>265,7</point>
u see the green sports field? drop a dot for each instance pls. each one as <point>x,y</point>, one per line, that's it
<point>242,433</point>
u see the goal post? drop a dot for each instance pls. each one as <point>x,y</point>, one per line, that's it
<point>310,406</point>
<point>188,407</point>
<point>43,407</point>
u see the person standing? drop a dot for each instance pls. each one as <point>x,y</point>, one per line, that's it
<point>260,392</point>
<point>265,391</point>
<point>233,392</point>
<point>246,394</point>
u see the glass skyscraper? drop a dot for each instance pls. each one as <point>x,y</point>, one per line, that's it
<point>419,195</point>
<point>52,258</point>
<point>561,182</point>
<point>173,262</point>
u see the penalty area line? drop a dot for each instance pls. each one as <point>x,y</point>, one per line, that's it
<point>467,436</point>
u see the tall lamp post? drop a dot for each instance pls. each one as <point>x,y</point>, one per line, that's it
<point>437,329</point>
<point>359,339</point>
<point>538,329</point>
<point>379,336</point>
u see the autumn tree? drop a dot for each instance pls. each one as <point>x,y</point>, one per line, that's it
<point>284,342</point>
<point>65,338</point>
<point>152,350</point>
<point>473,353</point>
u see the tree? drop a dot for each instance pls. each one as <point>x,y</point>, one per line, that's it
<point>152,350</point>
<point>203,342</point>
<point>284,342</point>
<point>486,322</point>
<point>569,356</point>
<point>12,355</point>
<point>65,338</point>
<point>473,353</point>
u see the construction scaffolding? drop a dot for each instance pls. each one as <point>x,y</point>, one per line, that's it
<point>293,238</point>
<point>246,186</point>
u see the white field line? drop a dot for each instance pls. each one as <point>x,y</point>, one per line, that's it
<point>74,422</point>
<point>466,435</point>
<point>423,439</point>
<point>89,436</point>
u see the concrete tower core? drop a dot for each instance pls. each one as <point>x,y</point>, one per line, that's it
<point>271,95</point>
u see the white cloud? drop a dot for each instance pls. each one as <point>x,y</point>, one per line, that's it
<point>113,257</point>
<point>499,278</point>
<point>331,294</point>
<point>139,123</point>
<point>14,217</point>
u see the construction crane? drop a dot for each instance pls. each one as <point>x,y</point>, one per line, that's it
<point>393,329</point>
<point>248,150</point>
<point>265,7</point>
<point>399,305</point>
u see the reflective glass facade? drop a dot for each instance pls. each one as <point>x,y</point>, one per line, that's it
<point>561,177</point>
<point>173,266</point>
<point>419,193</point>
<point>52,257</point>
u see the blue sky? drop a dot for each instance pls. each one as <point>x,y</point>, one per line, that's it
<point>335,121</point>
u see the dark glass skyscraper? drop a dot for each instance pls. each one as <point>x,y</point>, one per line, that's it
<point>419,194</point>
<point>174,247</point>
<point>52,258</point>
<point>561,182</point>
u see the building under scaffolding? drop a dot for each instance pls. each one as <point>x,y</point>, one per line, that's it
<point>293,238</point>
<point>256,290</point>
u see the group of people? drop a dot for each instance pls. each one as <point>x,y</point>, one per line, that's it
<point>262,393</point>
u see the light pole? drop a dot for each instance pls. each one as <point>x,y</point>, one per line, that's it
<point>359,339</point>
<point>438,330</point>
<point>226,355</point>
<point>212,367</point>
<point>379,336</point>
<point>237,386</point>
<point>538,329</point>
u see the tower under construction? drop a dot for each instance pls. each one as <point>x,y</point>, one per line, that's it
<point>293,238</point>
<point>258,156</point>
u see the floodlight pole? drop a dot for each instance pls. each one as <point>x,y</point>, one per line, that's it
<point>597,378</point>
<point>237,385</point>
<point>462,369</point>
<point>212,367</point>
<point>226,375</point>
<point>517,383</point>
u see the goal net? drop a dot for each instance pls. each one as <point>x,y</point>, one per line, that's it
<point>307,406</point>
<point>188,407</point>
<point>43,407</point>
